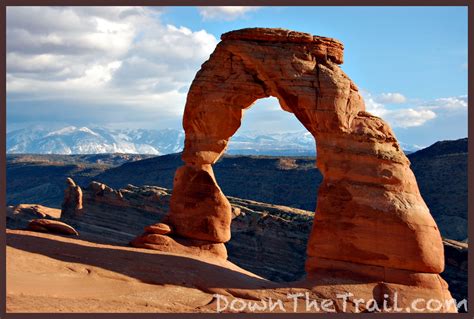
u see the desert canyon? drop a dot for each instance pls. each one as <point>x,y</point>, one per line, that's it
<point>150,249</point>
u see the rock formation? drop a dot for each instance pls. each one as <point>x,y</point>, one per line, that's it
<point>51,226</point>
<point>37,218</point>
<point>180,245</point>
<point>19,216</point>
<point>370,218</point>
<point>116,216</point>
<point>267,240</point>
<point>158,228</point>
<point>33,211</point>
<point>72,204</point>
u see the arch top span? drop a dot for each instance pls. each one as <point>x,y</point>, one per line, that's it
<point>299,69</point>
<point>319,45</point>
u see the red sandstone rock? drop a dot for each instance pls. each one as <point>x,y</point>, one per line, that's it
<point>33,210</point>
<point>72,204</point>
<point>103,193</point>
<point>180,245</point>
<point>52,226</point>
<point>158,228</point>
<point>320,46</point>
<point>369,213</point>
<point>199,209</point>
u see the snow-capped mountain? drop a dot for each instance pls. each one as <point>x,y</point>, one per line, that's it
<point>284,143</point>
<point>410,148</point>
<point>99,140</point>
<point>83,140</point>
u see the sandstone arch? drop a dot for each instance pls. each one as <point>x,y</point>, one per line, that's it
<point>370,216</point>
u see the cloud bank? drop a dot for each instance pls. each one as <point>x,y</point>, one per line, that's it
<point>418,113</point>
<point>92,59</point>
<point>391,98</point>
<point>123,67</point>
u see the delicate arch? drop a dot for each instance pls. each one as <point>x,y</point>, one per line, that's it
<point>369,209</point>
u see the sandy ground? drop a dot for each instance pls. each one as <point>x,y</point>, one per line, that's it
<point>49,273</point>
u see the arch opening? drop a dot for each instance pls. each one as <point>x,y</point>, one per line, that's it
<point>268,131</point>
<point>281,172</point>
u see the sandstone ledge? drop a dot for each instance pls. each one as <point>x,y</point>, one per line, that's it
<point>332,47</point>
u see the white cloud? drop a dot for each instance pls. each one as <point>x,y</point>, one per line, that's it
<point>122,64</point>
<point>113,58</point>
<point>391,98</point>
<point>409,117</point>
<point>455,103</point>
<point>400,117</point>
<point>226,13</point>
<point>66,30</point>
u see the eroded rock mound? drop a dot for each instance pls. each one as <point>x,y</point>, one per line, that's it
<point>38,218</point>
<point>158,228</point>
<point>370,217</point>
<point>33,210</point>
<point>20,215</point>
<point>51,226</point>
<point>158,237</point>
<point>180,245</point>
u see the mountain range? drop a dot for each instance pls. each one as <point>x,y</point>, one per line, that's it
<point>83,140</point>
<point>99,140</point>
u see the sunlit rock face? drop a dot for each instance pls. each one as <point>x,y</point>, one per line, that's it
<point>370,218</point>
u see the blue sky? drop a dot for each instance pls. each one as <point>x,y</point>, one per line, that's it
<point>131,67</point>
<point>386,48</point>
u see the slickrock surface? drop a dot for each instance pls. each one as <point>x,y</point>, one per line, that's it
<point>370,216</point>
<point>268,240</point>
<point>17,216</point>
<point>117,216</point>
<point>48,273</point>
